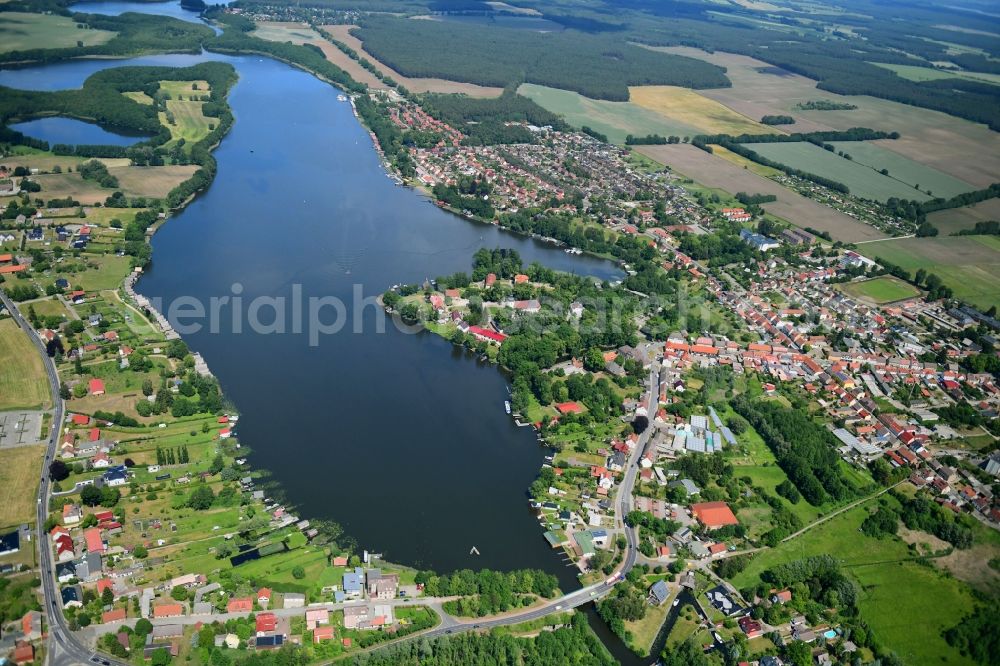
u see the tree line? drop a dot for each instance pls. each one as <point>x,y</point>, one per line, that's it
<point>805,451</point>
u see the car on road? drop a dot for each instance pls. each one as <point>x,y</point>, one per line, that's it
<point>559,607</point>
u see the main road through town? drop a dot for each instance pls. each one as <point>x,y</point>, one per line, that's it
<point>63,648</point>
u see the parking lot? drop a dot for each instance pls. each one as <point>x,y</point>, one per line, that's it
<point>20,428</point>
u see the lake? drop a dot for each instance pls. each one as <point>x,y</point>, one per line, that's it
<point>401,438</point>
<point>172,9</point>
<point>75,132</point>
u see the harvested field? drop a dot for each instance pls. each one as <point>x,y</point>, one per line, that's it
<point>152,181</point>
<point>716,172</point>
<point>744,163</point>
<point>137,181</point>
<point>970,265</point>
<point>302,33</point>
<point>46,162</point>
<point>614,119</point>
<point>342,34</point>
<point>691,108</point>
<point>929,137</point>
<point>955,219</point>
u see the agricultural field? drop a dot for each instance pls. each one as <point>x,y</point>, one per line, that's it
<point>20,31</point>
<point>23,384</point>
<point>916,73</point>
<point>20,470</point>
<point>133,181</point>
<point>970,265</point>
<point>955,219</point>
<point>740,161</point>
<point>862,180</point>
<point>189,123</point>
<point>691,108</point>
<point>342,33</point>
<point>47,161</point>
<point>884,289</point>
<point>614,119</point>
<point>716,172</point>
<point>932,138</point>
<point>153,181</point>
<point>928,179</point>
<point>279,31</point>
<point>301,33</point>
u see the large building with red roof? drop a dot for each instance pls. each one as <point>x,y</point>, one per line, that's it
<point>714,514</point>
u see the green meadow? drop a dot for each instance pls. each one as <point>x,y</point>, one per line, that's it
<point>863,181</point>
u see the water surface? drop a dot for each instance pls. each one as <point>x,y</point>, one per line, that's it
<point>402,438</point>
<point>75,132</point>
<point>172,8</point>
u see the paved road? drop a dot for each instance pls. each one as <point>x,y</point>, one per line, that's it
<point>64,649</point>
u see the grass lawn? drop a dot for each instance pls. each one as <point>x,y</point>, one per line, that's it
<point>276,570</point>
<point>189,123</point>
<point>884,289</point>
<point>49,307</point>
<point>644,631</point>
<point>138,96</point>
<point>21,31</point>
<point>970,265</point>
<point>20,469</point>
<point>22,375</point>
<point>104,271</point>
<point>687,626</point>
<point>690,108</point>
<point>863,181</point>
<point>906,604</point>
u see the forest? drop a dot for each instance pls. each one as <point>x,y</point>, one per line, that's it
<point>482,119</point>
<point>573,644</point>
<point>805,451</point>
<point>137,34</point>
<point>594,65</point>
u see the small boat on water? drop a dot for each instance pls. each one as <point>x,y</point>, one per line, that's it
<point>506,406</point>
<point>341,98</point>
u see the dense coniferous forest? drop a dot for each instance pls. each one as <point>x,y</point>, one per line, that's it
<point>482,119</point>
<point>594,65</point>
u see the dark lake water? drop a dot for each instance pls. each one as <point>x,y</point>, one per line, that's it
<point>74,132</point>
<point>400,437</point>
<point>172,9</point>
